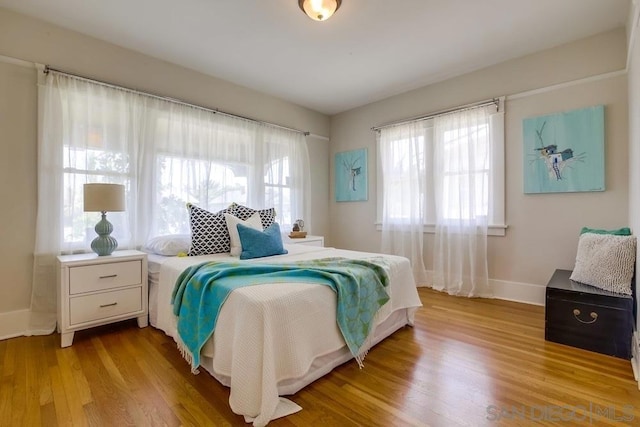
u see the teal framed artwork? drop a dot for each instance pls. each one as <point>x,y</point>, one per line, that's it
<point>351,176</point>
<point>564,152</point>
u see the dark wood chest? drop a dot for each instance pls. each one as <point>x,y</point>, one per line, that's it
<point>587,317</point>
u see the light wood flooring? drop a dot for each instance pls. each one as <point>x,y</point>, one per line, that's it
<point>466,362</point>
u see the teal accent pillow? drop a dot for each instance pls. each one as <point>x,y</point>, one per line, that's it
<point>624,231</point>
<point>258,244</point>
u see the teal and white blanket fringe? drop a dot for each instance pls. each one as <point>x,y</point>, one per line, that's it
<point>201,290</point>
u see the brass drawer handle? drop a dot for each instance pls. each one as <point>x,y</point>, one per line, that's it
<point>576,313</point>
<point>109,277</point>
<point>108,305</point>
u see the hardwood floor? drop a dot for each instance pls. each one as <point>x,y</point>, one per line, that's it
<point>466,362</point>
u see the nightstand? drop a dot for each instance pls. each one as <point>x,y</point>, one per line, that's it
<point>309,241</point>
<point>96,290</point>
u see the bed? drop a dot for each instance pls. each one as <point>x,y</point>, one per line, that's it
<point>272,340</point>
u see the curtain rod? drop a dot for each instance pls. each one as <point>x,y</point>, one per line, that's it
<point>495,101</point>
<point>47,69</point>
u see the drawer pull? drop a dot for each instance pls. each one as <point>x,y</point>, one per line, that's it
<point>108,305</point>
<point>109,276</point>
<point>593,314</point>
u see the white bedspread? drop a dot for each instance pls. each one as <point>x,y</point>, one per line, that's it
<point>267,336</point>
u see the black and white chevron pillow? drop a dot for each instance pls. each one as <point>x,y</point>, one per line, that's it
<point>267,216</point>
<point>209,232</point>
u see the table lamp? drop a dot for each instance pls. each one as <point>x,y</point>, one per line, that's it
<point>104,198</point>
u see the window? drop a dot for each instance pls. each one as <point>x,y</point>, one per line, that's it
<point>209,184</point>
<point>277,183</point>
<point>443,170</point>
<point>405,178</point>
<point>166,155</point>
<point>456,186</point>
<point>92,149</point>
<point>97,161</point>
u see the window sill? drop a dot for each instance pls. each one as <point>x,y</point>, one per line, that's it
<point>493,230</point>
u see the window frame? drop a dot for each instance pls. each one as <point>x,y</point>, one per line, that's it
<point>496,209</point>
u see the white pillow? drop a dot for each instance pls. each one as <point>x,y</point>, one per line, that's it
<point>169,245</point>
<point>253,221</point>
<point>605,261</point>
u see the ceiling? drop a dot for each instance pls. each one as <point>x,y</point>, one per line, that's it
<point>369,50</point>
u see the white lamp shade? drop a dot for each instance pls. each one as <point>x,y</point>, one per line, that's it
<point>104,198</point>
<point>319,10</point>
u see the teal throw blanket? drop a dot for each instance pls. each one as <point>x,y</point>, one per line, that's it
<point>201,290</point>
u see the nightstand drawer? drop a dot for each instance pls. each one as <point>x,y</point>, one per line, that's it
<point>310,243</point>
<point>89,308</point>
<point>309,240</point>
<point>104,276</point>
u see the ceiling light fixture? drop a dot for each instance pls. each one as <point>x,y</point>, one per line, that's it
<point>319,10</point>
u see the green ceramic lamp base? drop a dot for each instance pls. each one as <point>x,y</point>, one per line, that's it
<point>104,244</point>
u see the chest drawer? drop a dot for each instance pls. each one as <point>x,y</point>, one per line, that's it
<point>88,308</point>
<point>595,320</point>
<point>104,276</point>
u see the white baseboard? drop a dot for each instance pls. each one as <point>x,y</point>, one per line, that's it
<point>526,293</point>
<point>13,323</point>
<point>635,357</point>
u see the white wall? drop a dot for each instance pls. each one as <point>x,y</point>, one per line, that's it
<point>36,41</point>
<point>634,131</point>
<point>543,228</point>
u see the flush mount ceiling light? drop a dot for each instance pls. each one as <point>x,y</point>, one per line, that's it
<point>319,10</point>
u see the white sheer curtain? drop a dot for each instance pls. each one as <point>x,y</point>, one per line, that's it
<point>462,149</point>
<point>443,175</point>
<point>166,154</point>
<point>403,157</point>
